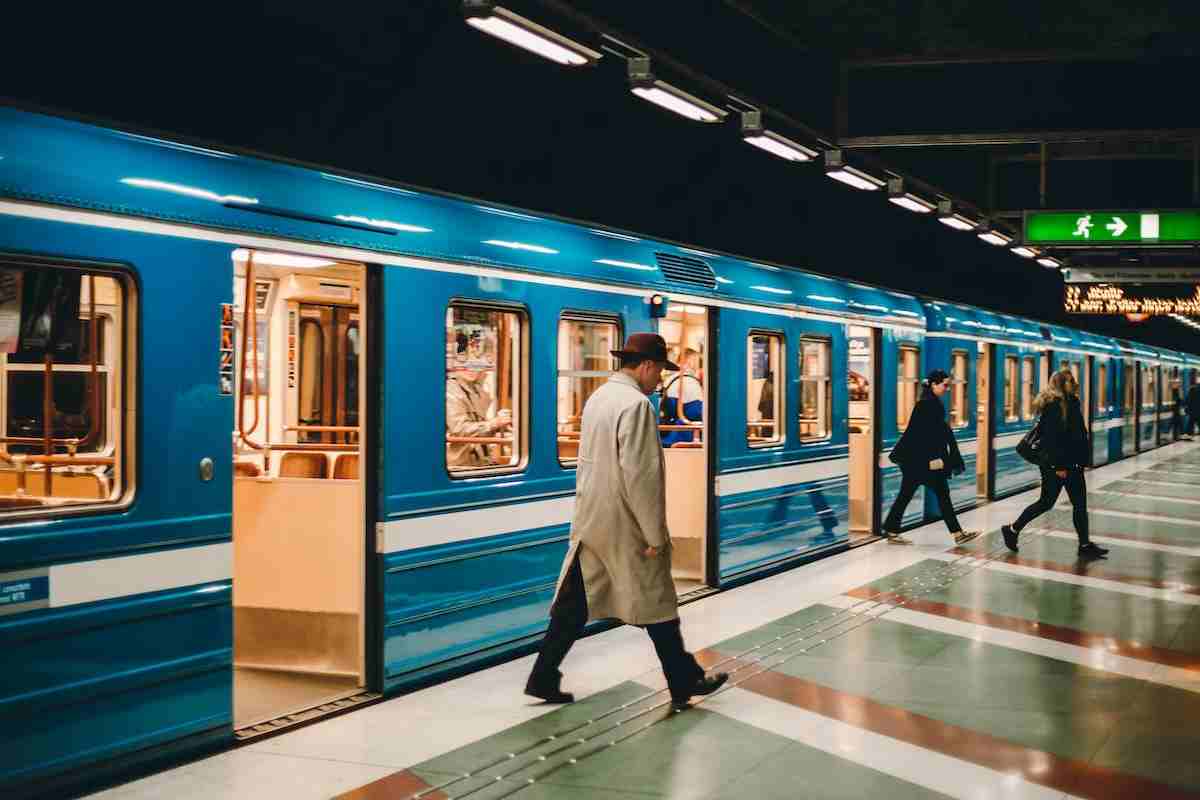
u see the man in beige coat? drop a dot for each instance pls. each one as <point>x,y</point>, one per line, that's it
<point>619,562</point>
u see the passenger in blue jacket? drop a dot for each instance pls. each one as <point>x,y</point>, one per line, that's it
<point>1064,451</point>
<point>927,453</point>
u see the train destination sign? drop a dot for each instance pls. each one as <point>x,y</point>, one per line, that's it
<point>1112,227</point>
<point>1104,298</point>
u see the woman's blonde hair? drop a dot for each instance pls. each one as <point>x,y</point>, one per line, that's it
<point>1056,391</point>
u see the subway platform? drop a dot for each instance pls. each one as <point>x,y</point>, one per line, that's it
<point>889,671</point>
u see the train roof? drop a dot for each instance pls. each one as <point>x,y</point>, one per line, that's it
<point>53,160</point>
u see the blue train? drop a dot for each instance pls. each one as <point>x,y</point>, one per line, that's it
<point>243,487</point>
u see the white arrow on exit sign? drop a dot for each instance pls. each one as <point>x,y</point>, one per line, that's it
<point>1117,226</point>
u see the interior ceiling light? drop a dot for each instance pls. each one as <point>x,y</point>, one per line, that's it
<point>643,83</point>
<point>755,134</point>
<point>1023,250</point>
<point>498,21</point>
<point>947,216</point>
<point>1049,262</point>
<point>912,202</point>
<point>994,237</point>
<point>282,259</point>
<point>839,170</point>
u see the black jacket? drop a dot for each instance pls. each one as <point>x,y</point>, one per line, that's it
<point>1064,444</point>
<point>927,437</point>
<point>1193,401</point>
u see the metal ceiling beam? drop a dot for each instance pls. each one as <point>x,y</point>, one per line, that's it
<point>998,57</point>
<point>1012,137</point>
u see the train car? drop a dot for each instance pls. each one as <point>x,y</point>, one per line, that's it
<point>279,441</point>
<point>1102,408</point>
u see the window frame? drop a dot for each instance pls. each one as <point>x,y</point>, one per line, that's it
<point>781,423</point>
<point>965,384</point>
<point>827,423</point>
<point>1149,382</point>
<point>578,315</point>
<point>1012,390</point>
<point>1102,383</point>
<point>120,384</point>
<point>521,379</point>
<point>901,379</point>
<point>1129,402</point>
<point>1028,389</point>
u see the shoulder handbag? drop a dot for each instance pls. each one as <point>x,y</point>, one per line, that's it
<point>1030,446</point>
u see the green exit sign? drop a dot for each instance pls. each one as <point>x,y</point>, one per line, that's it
<point>1112,227</point>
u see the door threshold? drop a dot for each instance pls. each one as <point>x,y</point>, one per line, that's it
<point>328,708</point>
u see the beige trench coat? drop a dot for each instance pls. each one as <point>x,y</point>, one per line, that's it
<point>620,509</point>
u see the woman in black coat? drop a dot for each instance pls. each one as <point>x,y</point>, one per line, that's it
<point>1064,452</point>
<point>926,453</point>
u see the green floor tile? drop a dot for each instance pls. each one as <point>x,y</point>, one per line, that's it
<point>1123,560</point>
<point>1144,505</point>
<point>483,787</point>
<point>1155,752</point>
<point>1176,476</point>
<point>1102,524</point>
<point>800,771</point>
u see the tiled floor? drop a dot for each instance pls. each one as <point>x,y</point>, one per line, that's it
<point>924,671</point>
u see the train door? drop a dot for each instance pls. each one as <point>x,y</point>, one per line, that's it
<point>862,344</point>
<point>983,422</point>
<point>1129,410</point>
<point>685,431</point>
<point>294,340</point>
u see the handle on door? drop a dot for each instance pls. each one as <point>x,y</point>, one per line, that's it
<point>206,469</point>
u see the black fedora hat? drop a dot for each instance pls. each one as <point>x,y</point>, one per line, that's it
<point>649,346</point>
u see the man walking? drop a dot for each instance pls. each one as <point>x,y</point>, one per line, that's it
<point>619,562</point>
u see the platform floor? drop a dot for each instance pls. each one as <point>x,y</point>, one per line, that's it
<point>889,672</point>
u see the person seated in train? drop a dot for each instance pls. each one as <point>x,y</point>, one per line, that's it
<point>926,454</point>
<point>468,413</point>
<point>683,398</point>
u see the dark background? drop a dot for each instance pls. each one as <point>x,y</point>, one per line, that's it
<point>407,91</point>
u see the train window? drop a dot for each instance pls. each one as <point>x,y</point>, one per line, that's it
<point>486,352</point>
<point>312,372</point>
<point>584,364</point>
<point>1102,387</point>
<point>1010,389</point>
<point>63,438</point>
<point>764,389</point>
<point>1027,388</point>
<point>1130,389</point>
<point>1149,398</point>
<point>816,399</point>
<point>958,389</point>
<point>908,386</point>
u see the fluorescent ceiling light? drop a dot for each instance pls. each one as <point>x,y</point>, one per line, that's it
<point>856,178</point>
<point>772,289</point>
<point>912,203</point>
<point>533,248</point>
<point>685,105</point>
<point>780,146</point>
<point>282,259</point>
<point>383,223</point>
<point>1049,262</point>
<point>528,35</point>
<point>1024,252</point>
<point>995,237</point>
<point>626,264</point>
<point>958,222</point>
<point>190,191</point>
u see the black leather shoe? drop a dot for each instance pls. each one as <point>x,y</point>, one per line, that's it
<point>1010,537</point>
<point>704,685</point>
<point>1092,550</point>
<point>548,690</point>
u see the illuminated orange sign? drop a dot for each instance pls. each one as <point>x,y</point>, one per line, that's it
<point>1103,298</point>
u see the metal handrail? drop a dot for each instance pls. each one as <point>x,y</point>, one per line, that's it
<point>249,332</point>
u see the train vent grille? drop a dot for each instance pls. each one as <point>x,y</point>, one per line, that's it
<point>685,269</point>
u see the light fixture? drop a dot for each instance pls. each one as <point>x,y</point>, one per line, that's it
<point>1049,262</point>
<point>273,259</point>
<point>498,21</point>
<point>190,191</point>
<point>993,236</point>
<point>1023,250</point>
<point>385,224</point>
<point>754,133</point>
<point>947,216</point>
<point>643,83</point>
<point>839,170</point>
<point>908,200</point>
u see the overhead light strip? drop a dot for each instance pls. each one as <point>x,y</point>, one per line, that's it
<point>528,35</point>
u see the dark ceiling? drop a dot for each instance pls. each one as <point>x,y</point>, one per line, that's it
<point>408,92</point>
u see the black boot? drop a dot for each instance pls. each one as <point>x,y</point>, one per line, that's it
<point>703,685</point>
<point>1010,537</point>
<point>1092,550</point>
<point>547,688</point>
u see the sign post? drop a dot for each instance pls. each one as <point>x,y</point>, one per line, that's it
<point>1087,228</point>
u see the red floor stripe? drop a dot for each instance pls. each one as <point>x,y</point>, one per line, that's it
<point>397,786</point>
<point>1088,569</point>
<point>1043,630</point>
<point>1073,776</point>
